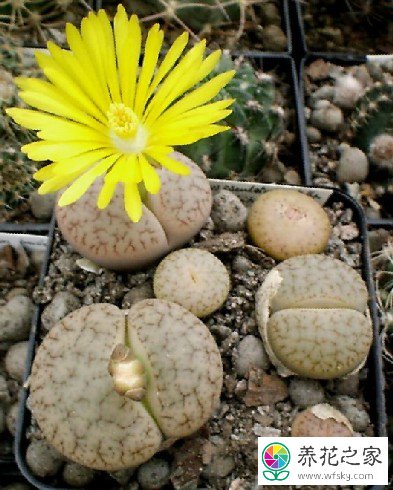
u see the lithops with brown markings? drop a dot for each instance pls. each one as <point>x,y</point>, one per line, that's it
<point>194,279</point>
<point>170,218</point>
<point>109,388</point>
<point>286,223</point>
<point>321,421</point>
<point>312,315</point>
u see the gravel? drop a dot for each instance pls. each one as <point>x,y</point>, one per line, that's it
<point>354,410</point>
<point>255,400</point>
<point>250,353</point>
<point>42,205</point>
<point>15,319</point>
<point>15,360</point>
<point>154,474</point>
<point>306,392</point>
<point>62,303</point>
<point>77,475</point>
<point>42,459</point>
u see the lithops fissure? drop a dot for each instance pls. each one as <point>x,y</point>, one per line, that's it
<point>312,315</point>
<point>170,218</point>
<point>108,387</point>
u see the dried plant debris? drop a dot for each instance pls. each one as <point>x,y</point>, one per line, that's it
<point>18,200</point>
<point>19,270</point>
<point>350,130</point>
<point>362,26</point>
<point>255,400</point>
<point>37,21</point>
<point>231,24</point>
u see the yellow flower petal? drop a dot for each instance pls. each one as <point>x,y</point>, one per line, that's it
<point>128,40</point>
<point>169,61</point>
<point>175,83</point>
<point>106,194</point>
<point>56,105</point>
<point>152,49</point>
<point>57,150</point>
<point>169,163</point>
<point>82,52</point>
<point>45,173</point>
<point>149,175</point>
<point>191,136</point>
<point>82,161</point>
<point>199,96</point>
<point>109,56</point>
<point>132,201</point>
<point>80,186</point>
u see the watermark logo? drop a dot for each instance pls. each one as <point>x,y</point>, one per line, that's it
<point>276,458</point>
<point>323,461</point>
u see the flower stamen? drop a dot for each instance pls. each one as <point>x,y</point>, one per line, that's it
<point>122,121</point>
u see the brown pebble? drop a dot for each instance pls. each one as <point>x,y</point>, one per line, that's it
<point>264,389</point>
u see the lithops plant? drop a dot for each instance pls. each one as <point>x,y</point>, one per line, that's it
<point>195,279</point>
<point>109,388</point>
<point>286,223</point>
<point>312,315</point>
<point>169,219</point>
<point>321,421</point>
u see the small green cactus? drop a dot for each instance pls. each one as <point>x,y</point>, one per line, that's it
<point>373,123</point>
<point>256,124</point>
<point>16,178</point>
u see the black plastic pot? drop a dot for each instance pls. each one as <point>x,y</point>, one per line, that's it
<point>374,386</point>
<point>8,469</point>
<point>338,59</point>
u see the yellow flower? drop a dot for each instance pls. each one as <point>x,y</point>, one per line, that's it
<point>102,114</point>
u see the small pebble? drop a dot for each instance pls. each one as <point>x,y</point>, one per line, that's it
<point>4,392</point>
<point>12,415</point>
<point>354,411</point>
<point>313,134</point>
<point>137,293</point>
<point>122,476</point>
<point>15,319</point>
<point>77,475</point>
<point>352,166</point>
<point>16,292</point>
<point>228,212</point>
<point>327,116</point>
<point>42,459</point>
<point>154,474</point>
<point>305,392</point>
<point>250,353</point>
<point>274,39</point>
<point>42,205</point>
<point>62,303</point>
<point>15,360</point>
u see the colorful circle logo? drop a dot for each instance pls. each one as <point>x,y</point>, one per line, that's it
<point>276,458</point>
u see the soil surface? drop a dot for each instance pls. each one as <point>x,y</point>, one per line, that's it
<point>222,455</point>
<point>374,190</point>
<point>19,272</point>
<point>349,26</point>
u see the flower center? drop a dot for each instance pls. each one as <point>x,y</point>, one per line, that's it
<point>128,135</point>
<point>122,120</point>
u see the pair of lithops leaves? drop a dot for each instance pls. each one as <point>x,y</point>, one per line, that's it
<point>109,388</point>
<point>312,315</point>
<point>170,218</point>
